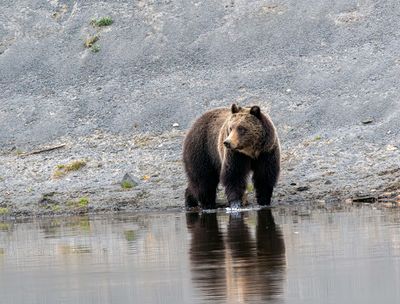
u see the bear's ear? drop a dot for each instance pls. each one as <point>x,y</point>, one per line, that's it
<point>255,110</point>
<point>235,108</point>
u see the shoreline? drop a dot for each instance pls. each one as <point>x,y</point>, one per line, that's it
<point>313,177</point>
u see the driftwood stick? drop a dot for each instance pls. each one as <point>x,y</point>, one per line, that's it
<point>44,150</point>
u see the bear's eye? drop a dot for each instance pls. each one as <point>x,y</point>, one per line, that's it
<point>242,130</point>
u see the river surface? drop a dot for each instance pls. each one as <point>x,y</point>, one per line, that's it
<point>262,256</point>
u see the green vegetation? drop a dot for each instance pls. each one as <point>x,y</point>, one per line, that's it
<point>19,152</point>
<point>318,137</point>
<point>55,208</point>
<point>126,184</point>
<point>62,170</point>
<point>89,42</point>
<point>104,21</point>
<point>95,48</point>
<point>4,211</point>
<point>82,204</point>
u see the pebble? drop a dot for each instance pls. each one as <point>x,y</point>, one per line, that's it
<point>175,125</point>
<point>367,121</point>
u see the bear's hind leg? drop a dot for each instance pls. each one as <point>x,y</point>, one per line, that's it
<point>208,193</point>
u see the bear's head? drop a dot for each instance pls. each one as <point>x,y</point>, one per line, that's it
<point>248,131</point>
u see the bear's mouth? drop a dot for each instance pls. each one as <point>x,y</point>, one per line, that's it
<point>237,148</point>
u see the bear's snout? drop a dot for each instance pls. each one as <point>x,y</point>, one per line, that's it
<point>227,143</point>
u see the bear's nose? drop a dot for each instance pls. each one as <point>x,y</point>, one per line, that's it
<point>227,144</point>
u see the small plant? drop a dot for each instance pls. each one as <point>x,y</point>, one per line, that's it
<point>19,152</point>
<point>4,211</point>
<point>104,21</point>
<point>55,208</point>
<point>126,184</point>
<point>89,42</point>
<point>63,169</point>
<point>95,48</point>
<point>83,202</point>
<point>81,205</point>
<point>318,137</point>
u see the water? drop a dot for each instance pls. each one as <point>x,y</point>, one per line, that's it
<point>264,256</point>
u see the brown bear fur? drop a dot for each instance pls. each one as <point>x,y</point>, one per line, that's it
<point>226,145</point>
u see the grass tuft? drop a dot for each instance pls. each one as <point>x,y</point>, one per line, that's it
<point>95,48</point>
<point>63,169</point>
<point>104,21</point>
<point>81,205</point>
<point>83,202</point>
<point>126,184</point>
<point>89,42</point>
<point>4,211</point>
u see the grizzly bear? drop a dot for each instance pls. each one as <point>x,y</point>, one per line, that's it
<point>226,145</point>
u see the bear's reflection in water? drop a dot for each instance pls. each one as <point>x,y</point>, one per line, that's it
<point>232,261</point>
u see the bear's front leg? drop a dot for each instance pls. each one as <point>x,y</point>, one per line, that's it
<point>265,175</point>
<point>234,174</point>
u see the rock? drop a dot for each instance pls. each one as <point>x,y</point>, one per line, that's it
<point>175,125</point>
<point>302,188</point>
<point>328,182</point>
<point>367,121</point>
<point>391,148</point>
<point>348,201</point>
<point>128,181</point>
<point>389,205</point>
